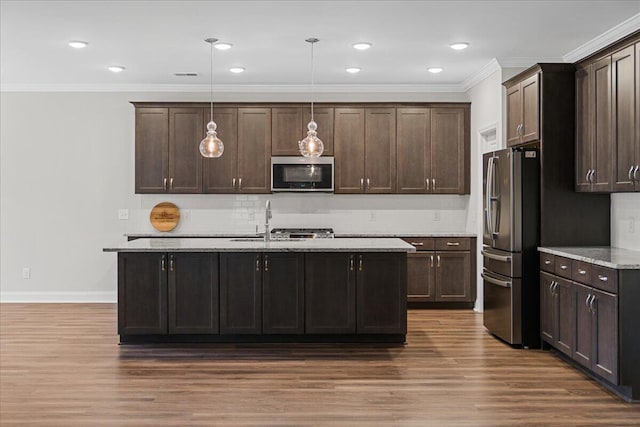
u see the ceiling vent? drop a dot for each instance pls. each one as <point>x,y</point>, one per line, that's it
<point>186,74</point>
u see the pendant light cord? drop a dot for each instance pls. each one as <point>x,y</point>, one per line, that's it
<point>211,81</point>
<point>312,79</point>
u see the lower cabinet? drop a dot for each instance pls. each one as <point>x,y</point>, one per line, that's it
<point>253,293</point>
<point>441,270</point>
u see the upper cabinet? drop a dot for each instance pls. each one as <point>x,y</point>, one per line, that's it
<point>379,148</point>
<point>432,150</point>
<point>289,125</point>
<point>365,140</point>
<point>523,111</point>
<point>607,115</point>
<point>167,154</point>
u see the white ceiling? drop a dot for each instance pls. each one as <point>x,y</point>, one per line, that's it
<point>154,39</point>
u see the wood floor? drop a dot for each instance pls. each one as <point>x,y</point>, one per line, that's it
<point>60,364</point>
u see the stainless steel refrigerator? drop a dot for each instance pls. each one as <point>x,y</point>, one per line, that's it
<point>511,201</point>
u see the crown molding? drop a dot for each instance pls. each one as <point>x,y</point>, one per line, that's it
<point>610,36</point>
<point>526,62</point>
<point>484,72</point>
<point>191,88</point>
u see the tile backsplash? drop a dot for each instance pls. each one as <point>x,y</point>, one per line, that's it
<point>625,220</point>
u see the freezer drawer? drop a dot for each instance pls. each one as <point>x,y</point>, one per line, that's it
<point>502,314</point>
<point>504,263</point>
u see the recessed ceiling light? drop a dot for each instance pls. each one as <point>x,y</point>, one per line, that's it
<point>435,70</point>
<point>362,45</point>
<point>115,68</point>
<point>237,70</point>
<point>77,44</point>
<point>222,46</point>
<point>353,70</point>
<point>459,45</point>
<point>186,74</point>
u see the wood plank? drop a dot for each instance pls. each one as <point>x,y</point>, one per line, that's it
<point>60,364</point>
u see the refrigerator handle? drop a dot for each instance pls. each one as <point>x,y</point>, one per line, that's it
<point>495,222</point>
<point>487,195</point>
<point>503,283</point>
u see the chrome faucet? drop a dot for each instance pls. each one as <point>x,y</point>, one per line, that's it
<point>267,217</point>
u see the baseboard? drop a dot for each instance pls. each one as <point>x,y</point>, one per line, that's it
<point>57,297</point>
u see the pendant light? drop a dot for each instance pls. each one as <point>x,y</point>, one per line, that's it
<point>311,145</point>
<point>211,146</point>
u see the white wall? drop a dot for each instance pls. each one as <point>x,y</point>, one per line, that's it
<point>486,111</point>
<point>67,166</point>
<point>625,220</point>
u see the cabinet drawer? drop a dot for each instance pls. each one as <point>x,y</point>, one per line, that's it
<point>453,244</point>
<point>562,267</point>
<point>421,243</point>
<point>581,272</point>
<point>604,278</point>
<point>547,262</point>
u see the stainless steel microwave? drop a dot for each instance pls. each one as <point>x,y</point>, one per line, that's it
<point>302,174</point>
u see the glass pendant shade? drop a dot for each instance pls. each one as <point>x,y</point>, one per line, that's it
<point>211,146</point>
<point>311,145</point>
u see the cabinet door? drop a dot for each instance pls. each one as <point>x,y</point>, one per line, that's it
<point>637,154</point>
<point>381,293</point>
<point>380,150</point>
<point>605,335</point>
<point>330,293</point>
<point>601,102</point>
<point>530,130</point>
<point>566,316</point>
<point>349,150</point>
<point>323,117</point>
<point>283,293</point>
<point>413,150</point>
<point>286,131</point>
<point>623,118</point>
<point>514,115</point>
<point>421,278</point>
<point>220,174</point>
<point>584,142</point>
<point>186,130</point>
<point>547,308</point>
<point>448,150</point>
<point>142,293</point>
<point>254,150</point>
<point>193,293</point>
<point>583,349</point>
<point>453,276</point>
<point>152,150</point>
<point>240,293</point>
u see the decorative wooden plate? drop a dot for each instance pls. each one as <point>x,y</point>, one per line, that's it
<point>164,216</point>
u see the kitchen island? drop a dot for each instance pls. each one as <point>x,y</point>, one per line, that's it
<point>249,290</point>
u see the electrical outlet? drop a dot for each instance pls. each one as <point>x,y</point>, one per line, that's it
<point>26,273</point>
<point>436,215</point>
<point>372,215</point>
<point>123,214</point>
<point>252,215</point>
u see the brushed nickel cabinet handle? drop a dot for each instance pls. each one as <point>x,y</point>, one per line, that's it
<point>631,178</point>
<point>266,263</point>
<point>602,278</point>
<point>586,177</point>
<point>172,263</point>
<point>368,183</point>
<point>587,301</point>
<point>258,263</point>
<point>362,183</point>
<point>635,171</point>
<point>438,258</point>
<point>428,185</point>
<point>240,183</point>
<point>582,272</point>
<point>171,184</point>
<point>563,267</point>
<point>164,183</point>
<point>547,262</point>
<point>433,184</point>
<point>551,287</point>
<point>431,261</point>
<point>360,263</point>
<point>555,286</point>
<point>417,243</point>
<point>351,263</point>
<point>592,308</point>
<point>162,264</point>
<point>593,175</point>
<point>233,183</point>
<point>453,244</point>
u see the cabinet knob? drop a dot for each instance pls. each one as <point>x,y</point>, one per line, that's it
<point>602,278</point>
<point>547,262</point>
<point>582,272</point>
<point>563,267</point>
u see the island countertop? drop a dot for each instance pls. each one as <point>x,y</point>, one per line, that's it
<point>258,245</point>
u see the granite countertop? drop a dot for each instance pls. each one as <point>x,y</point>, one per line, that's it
<point>617,258</point>
<point>349,235</point>
<point>232,245</point>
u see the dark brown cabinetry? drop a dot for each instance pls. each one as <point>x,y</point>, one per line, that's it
<point>289,125</point>
<point>142,293</point>
<point>441,270</point>
<point>381,302</point>
<point>167,150</point>
<point>323,116</point>
<point>193,293</point>
<point>330,293</point>
<point>220,174</point>
<point>624,120</point>
<point>254,150</point>
<point>523,111</point>
<point>365,146</point>
<point>432,150</point>
<point>241,293</point>
<point>283,293</point>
